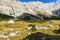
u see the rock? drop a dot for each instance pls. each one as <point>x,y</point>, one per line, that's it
<point>56,12</point>
<point>44,28</point>
<point>37,27</point>
<point>4,33</point>
<point>27,16</point>
<point>12,34</point>
<point>29,33</point>
<point>17,32</point>
<point>3,36</point>
<point>43,38</point>
<point>11,22</point>
<point>11,29</point>
<point>5,16</point>
<point>29,28</point>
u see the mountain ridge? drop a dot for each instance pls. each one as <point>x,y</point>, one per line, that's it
<point>16,9</point>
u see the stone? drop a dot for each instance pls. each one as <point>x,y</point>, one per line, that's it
<point>11,22</point>
<point>37,27</point>
<point>29,28</point>
<point>12,34</point>
<point>11,29</point>
<point>29,33</point>
<point>3,36</point>
<point>44,28</point>
<point>17,32</point>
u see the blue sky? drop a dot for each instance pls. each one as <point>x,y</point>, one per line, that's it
<point>44,1</point>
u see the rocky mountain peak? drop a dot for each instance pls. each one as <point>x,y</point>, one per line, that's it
<point>16,8</point>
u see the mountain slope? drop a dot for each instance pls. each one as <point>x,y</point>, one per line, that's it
<point>15,8</point>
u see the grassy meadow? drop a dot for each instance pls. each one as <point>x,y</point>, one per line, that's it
<point>21,27</point>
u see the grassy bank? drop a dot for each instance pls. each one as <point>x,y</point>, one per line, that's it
<point>23,31</point>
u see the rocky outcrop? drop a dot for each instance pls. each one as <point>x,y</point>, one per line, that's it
<point>5,16</point>
<point>27,16</point>
<point>16,9</point>
<point>56,12</point>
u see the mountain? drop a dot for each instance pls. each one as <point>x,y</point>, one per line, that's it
<point>18,9</point>
<point>56,12</point>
